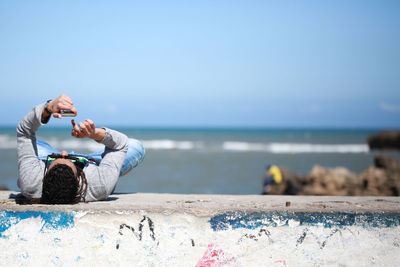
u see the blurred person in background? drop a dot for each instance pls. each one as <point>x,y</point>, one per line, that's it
<point>272,176</point>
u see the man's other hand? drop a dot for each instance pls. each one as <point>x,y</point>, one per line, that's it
<point>87,129</point>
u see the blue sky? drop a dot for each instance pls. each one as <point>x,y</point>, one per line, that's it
<point>205,63</point>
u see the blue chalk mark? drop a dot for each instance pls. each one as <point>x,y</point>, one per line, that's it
<point>236,220</point>
<point>50,220</point>
<point>24,255</point>
<point>55,260</point>
<point>101,238</point>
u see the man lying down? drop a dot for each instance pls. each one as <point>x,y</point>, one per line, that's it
<point>49,176</point>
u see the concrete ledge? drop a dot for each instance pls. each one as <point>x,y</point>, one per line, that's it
<point>210,205</point>
<point>203,230</point>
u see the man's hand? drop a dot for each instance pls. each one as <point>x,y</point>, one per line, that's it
<point>87,129</point>
<point>63,102</point>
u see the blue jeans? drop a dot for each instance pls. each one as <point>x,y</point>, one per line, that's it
<point>133,157</point>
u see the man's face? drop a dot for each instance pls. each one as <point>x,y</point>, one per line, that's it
<point>64,161</point>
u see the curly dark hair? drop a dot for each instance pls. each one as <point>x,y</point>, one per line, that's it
<point>61,186</point>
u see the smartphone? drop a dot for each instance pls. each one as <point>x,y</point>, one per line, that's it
<point>67,113</point>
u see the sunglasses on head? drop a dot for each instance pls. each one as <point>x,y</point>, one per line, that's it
<point>79,162</point>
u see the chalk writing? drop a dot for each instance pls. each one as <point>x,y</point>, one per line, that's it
<point>334,231</point>
<point>139,233</point>
<point>302,237</point>
<point>255,237</point>
<point>322,244</point>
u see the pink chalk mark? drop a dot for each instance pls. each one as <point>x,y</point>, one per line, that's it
<point>216,258</point>
<point>283,262</point>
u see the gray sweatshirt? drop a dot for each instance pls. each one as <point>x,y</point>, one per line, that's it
<point>101,179</point>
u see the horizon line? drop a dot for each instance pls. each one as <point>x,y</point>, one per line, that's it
<point>230,127</point>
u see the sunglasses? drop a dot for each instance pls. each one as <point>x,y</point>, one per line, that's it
<point>79,162</point>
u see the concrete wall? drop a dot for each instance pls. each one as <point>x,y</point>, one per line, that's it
<point>203,230</point>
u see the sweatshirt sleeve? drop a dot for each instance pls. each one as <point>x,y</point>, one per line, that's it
<point>102,179</point>
<point>30,168</point>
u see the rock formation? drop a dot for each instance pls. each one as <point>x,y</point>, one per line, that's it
<point>385,140</point>
<point>383,179</point>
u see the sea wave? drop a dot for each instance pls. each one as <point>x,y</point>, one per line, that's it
<point>9,142</point>
<point>295,148</point>
<point>76,144</point>
<point>171,144</point>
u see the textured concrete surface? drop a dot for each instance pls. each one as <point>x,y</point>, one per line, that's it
<point>203,230</point>
<point>209,205</point>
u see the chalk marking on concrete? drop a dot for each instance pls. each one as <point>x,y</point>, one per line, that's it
<point>50,220</point>
<point>176,230</point>
<point>246,220</point>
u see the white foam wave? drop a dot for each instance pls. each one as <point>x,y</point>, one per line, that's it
<point>76,145</point>
<point>8,141</point>
<point>170,144</point>
<point>294,148</point>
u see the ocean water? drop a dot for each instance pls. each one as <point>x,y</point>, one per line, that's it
<point>211,161</point>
